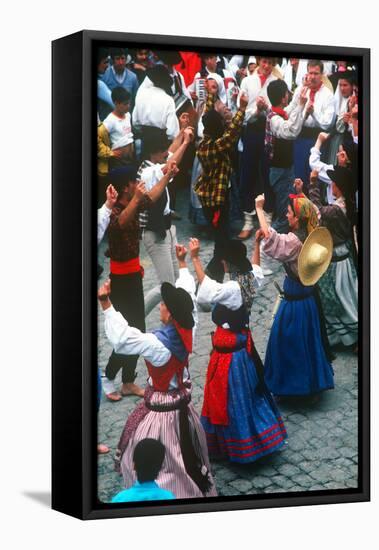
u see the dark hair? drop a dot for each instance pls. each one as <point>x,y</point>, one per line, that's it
<point>121,177</point>
<point>154,140</point>
<point>102,53</point>
<point>148,457</point>
<point>115,52</point>
<point>315,63</point>
<point>276,91</point>
<point>120,95</point>
<point>214,125</point>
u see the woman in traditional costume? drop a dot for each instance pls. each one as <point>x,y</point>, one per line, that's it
<point>166,413</point>
<point>296,362</point>
<point>339,285</point>
<point>240,418</point>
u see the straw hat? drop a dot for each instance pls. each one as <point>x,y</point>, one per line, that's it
<point>315,256</point>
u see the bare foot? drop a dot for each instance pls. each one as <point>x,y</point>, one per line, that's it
<point>114,396</point>
<point>102,449</point>
<point>131,389</point>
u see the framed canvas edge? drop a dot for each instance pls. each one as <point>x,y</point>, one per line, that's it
<point>89,458</point>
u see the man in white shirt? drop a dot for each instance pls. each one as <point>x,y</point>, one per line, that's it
<point>154,105</point>
<point>284,124</point>
<point>319,116</point>
<point>254,168</point>
<point>159,235</point>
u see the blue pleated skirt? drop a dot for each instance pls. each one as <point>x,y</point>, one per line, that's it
<point>255,426</point>
<point>295,362</point>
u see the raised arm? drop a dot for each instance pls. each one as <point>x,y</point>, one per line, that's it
<point>259,203</point>
<point>127,340</point>
<point>186,136</point>
<point>170,171</point>
<point>128,214</point>
<point>186,281</point>
<point>194,246</point>
<point>103,214</point>
<point>233,131</point>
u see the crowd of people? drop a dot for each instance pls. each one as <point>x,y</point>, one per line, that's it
<point>271,143</point>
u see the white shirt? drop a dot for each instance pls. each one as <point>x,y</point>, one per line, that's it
<point>151,175</point>
<point>321,167</point>
<point>251,86</point>
<point>120,130</point>
<point>153,107</point>
<point>103,217</point>
<point>291,128</point>
<point>227,294</point>
<point>127,340</point>
<point>324,110</point>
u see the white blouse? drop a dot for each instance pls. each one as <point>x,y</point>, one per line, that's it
<point>127,340</point>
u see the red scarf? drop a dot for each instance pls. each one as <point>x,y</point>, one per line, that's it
<point>263,78</point>
<point>312,93</point>
<point>279,111</point>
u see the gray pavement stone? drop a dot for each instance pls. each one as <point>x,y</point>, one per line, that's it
<point>321,451</point>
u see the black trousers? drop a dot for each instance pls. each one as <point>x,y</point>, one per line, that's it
<point>215,268</point>
<point>127,298</point>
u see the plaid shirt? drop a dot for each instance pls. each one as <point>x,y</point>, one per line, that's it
<point>212,185</point>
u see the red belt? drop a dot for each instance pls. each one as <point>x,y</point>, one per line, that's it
<point>123,268</point>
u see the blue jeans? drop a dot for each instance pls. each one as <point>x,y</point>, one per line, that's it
<point>281,182</point>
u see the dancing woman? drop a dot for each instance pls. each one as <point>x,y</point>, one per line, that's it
<point>166,413</point>
<point>296,362</point>
<point>239,416</point>
<point>339,285</point>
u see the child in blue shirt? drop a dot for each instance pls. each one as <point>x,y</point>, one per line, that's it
<point>148,458</point>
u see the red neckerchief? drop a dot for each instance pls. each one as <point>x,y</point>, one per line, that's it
<point>279,111</point>
<point>185,335</point>
<point>312,93</point>
<point>263,78</point>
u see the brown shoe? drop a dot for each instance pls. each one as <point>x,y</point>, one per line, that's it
<point>245,234</point>
<point>102,449</point>
<point>114,396</point>
<point>131,389</point>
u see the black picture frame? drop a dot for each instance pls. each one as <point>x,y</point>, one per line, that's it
<point>74,287</point>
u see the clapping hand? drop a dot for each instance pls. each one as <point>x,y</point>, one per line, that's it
<point>303,96</point>
<point>313,176</point>
<point>111,195</point>
<point>194,246</point>
<point>298,185</point>
<point>140,191</point>
<point>171,168</point>
<point>188,134</point>
<point>104,291</point>
<point>261,103</point>
<point>244,100</point>
<point>259,235</point>
<point>259,202</point>
<point>181,253</point>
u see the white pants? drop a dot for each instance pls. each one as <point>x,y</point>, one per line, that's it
<point>163,256</point>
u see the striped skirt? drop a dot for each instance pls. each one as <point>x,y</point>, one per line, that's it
<point>164,426</point>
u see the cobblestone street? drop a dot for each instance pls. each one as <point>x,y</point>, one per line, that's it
<point>322,446</point>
